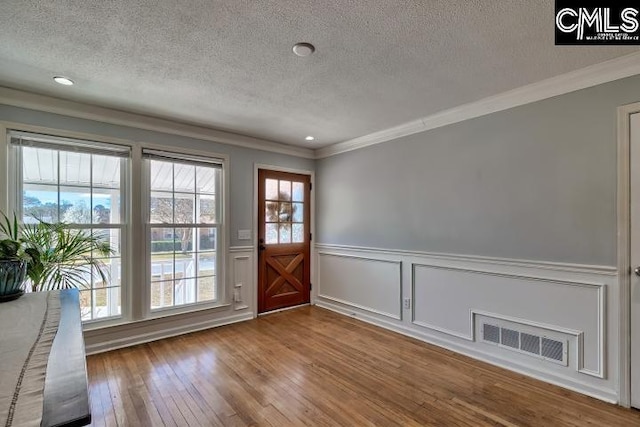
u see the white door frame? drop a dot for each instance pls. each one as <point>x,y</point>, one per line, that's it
<point>624,250</point>
<point>312,206</point>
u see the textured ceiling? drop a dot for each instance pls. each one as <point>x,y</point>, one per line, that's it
<point>229,65</point>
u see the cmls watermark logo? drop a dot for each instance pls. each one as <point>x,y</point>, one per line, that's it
<point>580,22</point>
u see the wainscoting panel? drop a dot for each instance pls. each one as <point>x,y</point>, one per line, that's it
<point>369,284</point>
<point>242,277</point>
<point>447,300</point>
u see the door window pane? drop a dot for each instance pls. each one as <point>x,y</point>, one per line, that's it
<point>285,233</point>
<point>297,212</point>
<point>298,233</point>
<point>298,192</point>
<point>284,215</point>
<point>285,190</point>
<point>271,234</point>
<point>272,189</point>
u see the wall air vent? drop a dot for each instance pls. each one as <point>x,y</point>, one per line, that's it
<point>552,349</point>
<point>491,333</point>
<point>533,345</point>
<point>510,338</point>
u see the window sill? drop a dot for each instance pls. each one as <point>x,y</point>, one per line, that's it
<point>155,315</point>
<point>160,313</point>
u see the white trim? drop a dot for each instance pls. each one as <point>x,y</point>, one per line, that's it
<point>624,250</point>
<point>615,69</point>
<point>63,133</point>
<point>560,380</point>
<point>320,294</point>
<point>164,333</point>
<point>601,310</point>
<point>604,72</point>
<point>254,226</point>
<point>235,249</point>
<point>79,110</point>
<point>508,262</point>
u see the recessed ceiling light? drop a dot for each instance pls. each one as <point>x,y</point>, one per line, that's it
<point>303,49</point>
<point>63,80</point>
<point>309,138</point>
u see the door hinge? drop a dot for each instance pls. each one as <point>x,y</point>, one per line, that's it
<point>310,286</point>
<point>310,237</point>
<point>310,186</point>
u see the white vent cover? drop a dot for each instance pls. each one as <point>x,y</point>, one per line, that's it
<point>534,345</point>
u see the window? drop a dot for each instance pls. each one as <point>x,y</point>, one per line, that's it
<point>184,229</point>
<point>87,185</point>
<point>81,183</point>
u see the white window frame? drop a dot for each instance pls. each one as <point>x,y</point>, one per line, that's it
<point>222,243</point>
<point>63,140</point>
<point>135,299</point>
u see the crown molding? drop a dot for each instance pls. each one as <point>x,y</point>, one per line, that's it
<point>604,72</point>
<point>32,101</point>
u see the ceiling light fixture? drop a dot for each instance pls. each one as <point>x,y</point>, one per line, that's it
<point>63,80</point>
<point>303,49</point>
<point>309,138</point>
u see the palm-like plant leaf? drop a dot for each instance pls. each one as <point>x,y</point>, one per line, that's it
<point>66,258</point>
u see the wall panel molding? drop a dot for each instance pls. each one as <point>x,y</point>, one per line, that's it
<point>370,284</point>
<point>603,270</point>
<point>242,277</point>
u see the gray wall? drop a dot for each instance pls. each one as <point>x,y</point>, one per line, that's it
<point>241,160</point>
<point>535,182</point>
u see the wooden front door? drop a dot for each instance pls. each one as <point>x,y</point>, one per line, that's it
<point>284,239</point>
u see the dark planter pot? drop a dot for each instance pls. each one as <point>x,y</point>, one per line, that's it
<point>12,274</point>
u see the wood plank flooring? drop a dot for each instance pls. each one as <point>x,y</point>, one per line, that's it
<point>312,367</point>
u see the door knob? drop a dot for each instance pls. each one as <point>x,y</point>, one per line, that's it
<point>637,271</point>
<point>263,247</point>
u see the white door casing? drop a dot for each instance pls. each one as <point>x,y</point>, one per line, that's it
<point>635,258</point>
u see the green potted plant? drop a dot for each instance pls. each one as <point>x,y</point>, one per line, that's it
<point>58,256</point>
<point>13,260</point>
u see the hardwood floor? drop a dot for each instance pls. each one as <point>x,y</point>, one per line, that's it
<point>310,367</point>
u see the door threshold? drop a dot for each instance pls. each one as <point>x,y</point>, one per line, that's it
<point>283,309</point>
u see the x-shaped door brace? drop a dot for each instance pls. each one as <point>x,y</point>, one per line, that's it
<point>285,274</point>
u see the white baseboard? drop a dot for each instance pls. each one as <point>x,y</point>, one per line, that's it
<point>128,341</point>
<point>606,395</point>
